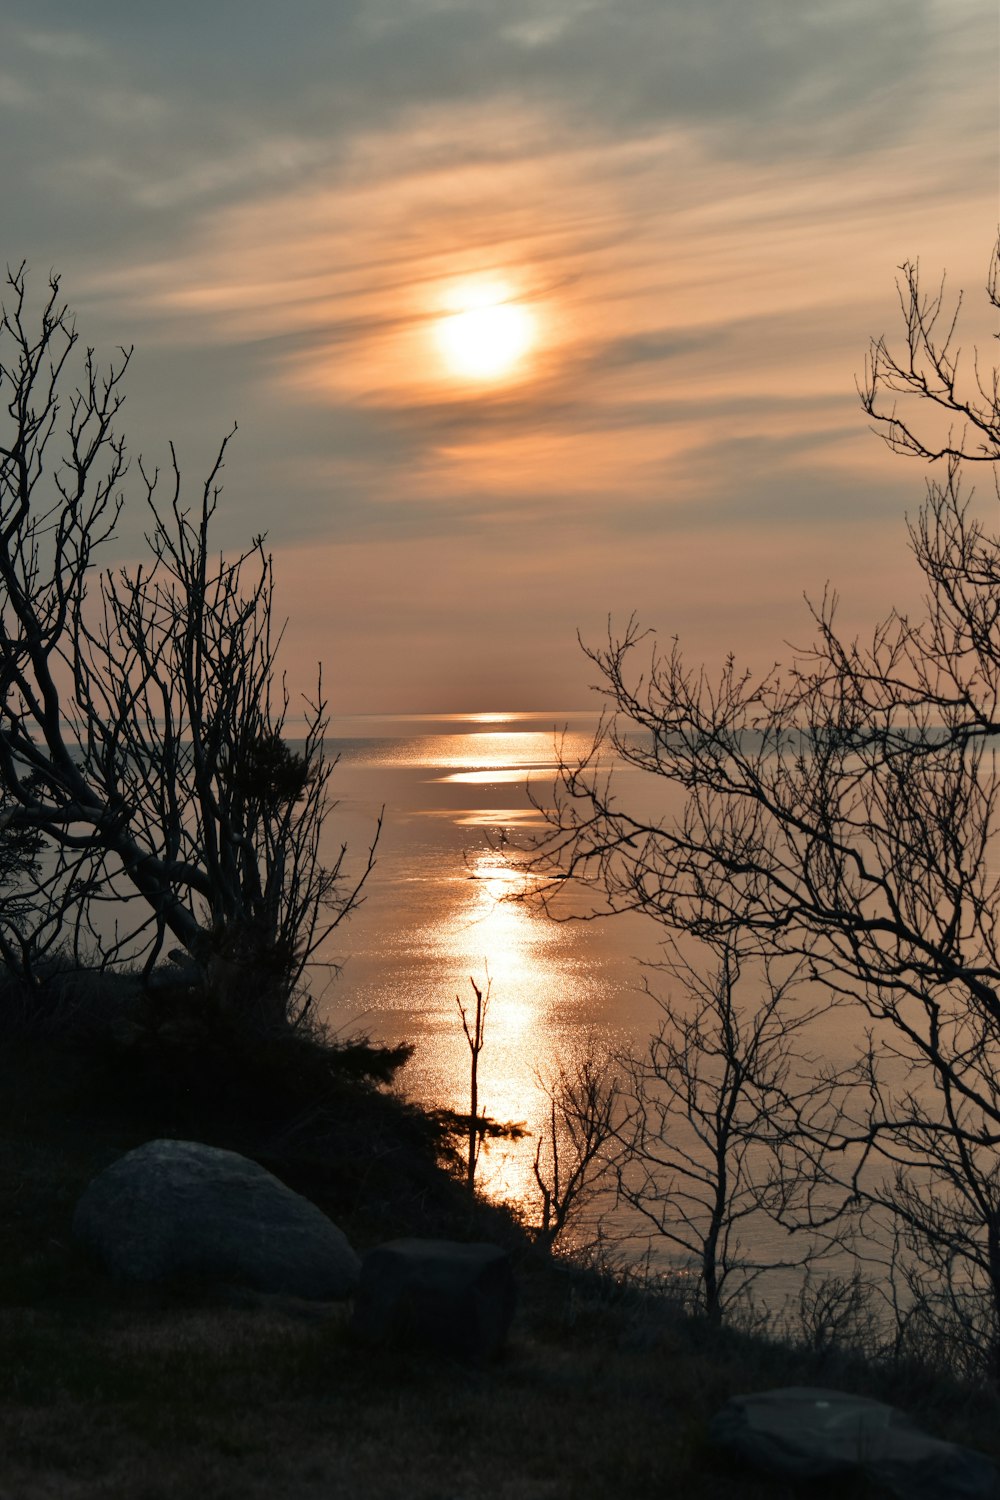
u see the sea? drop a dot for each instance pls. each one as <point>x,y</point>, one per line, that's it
<point>457,802</point>
<point>446,907</point>
<point>461,798</point>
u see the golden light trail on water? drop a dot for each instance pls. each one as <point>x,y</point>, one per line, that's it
<point>453,912</point>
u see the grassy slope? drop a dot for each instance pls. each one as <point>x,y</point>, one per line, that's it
<point>114,1393</point>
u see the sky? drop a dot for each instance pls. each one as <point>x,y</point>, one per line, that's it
<point>696,208</point>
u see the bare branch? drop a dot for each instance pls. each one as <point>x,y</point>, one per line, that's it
<point>838,813</point>
<point>162,770</point>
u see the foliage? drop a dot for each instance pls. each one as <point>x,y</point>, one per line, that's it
<point>19,866</point>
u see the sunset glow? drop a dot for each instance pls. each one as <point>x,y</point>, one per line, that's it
<point>488,337</point>
<point>493,636</point>
<point>526,323</point>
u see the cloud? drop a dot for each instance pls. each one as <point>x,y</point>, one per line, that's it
<point>134,128</point>
<point>268,91</point>
<point>702,203</point>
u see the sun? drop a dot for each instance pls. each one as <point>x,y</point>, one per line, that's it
<point>488,336</point>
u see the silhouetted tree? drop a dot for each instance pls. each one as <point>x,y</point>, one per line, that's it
<point>19,869</point>
<point>474,1029</point>
<point>842,812</point>
<point>710,1133</point>
<point>142,721</point>
<point>577,1148</point>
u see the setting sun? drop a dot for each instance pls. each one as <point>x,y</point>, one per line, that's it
<point>487,337</point>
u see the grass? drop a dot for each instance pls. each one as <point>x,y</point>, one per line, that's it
<point>110,1392</point>
<point>153,1400</point>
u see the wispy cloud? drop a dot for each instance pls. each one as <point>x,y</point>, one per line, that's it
<point>700,204</point>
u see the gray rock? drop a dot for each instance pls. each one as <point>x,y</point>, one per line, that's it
<point>436,1295</point>
<point>178,1208</point>
<point>802,1433</point>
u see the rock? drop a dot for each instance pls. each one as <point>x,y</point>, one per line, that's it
<point>437,1295</point>
<point>801,1433</point>
<point>178,1208</point>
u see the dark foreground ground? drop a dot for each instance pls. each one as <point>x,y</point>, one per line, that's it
<point>194,1393</point>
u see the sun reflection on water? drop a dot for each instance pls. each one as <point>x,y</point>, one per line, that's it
<point>446,908</point>
<point>520,964</point>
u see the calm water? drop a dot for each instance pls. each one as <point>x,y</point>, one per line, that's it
<point>455,796</point>
<point>455,793</point>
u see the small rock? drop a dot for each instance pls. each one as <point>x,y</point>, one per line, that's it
<point>802,1433</point>
<point>437,1295</point>
<point>180,1208</point>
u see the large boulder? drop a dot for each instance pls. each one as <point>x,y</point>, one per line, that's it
<point>437,1295</point>
<point>799,1433</point>
<point>179,1208</point>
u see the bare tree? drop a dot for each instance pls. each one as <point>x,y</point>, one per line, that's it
<point>575,1153</point>
<point>475,1035</point>
<point>142,726</point>
<point>837,1313</point>
<point>842,811</point>
<point>930,370</point>
<point>711,1138</point>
